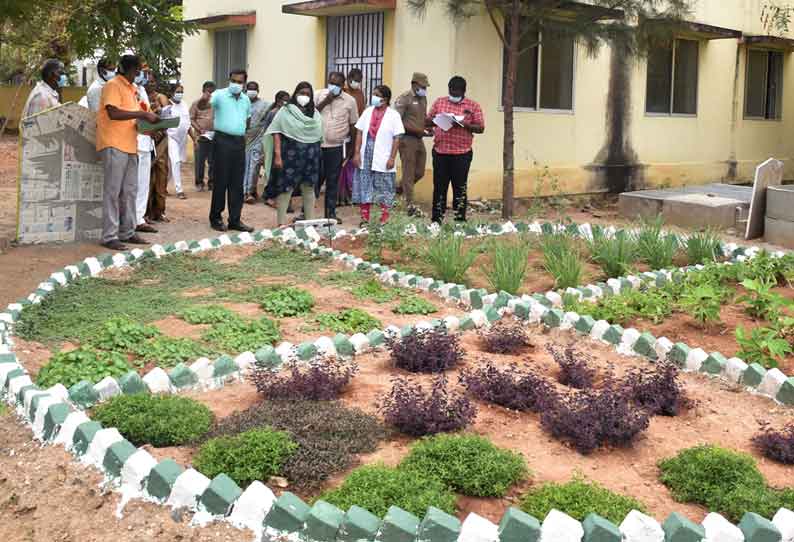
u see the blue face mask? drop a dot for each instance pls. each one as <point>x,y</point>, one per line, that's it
<point>235,88</point>
<point>376,101</point>
<point>421,92</point>
<point>456,99</point>
<point>141,79</point>
<point>336,90</point>
<point>63,81</point>
<point>107,75</point>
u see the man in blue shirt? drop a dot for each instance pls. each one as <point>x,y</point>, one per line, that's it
<point>231,109</point>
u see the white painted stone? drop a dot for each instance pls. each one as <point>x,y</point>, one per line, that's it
<point>136,253</point>
<point>288,233</point>
<point>188,487</point>
<point>535,227</point>
<point>59,391</point>
<point>17,384</point>
<point>573,292</point>
<point>159,250</point>
<point>614,284</point>
<point>778,254</point>
<point>250,509</point>
<point>157,380</point>
<point>6,368</point>
<point>94,267</point>
<point>598,330</point>
<point>741,258</point>
<point>6,318</point>
<point>752,252</point>
<point>423,325</point>
<point>107,388</point>
<point>637,527</point>
<point>662,347</point>
<point>424,283</point>
<point>41,412</point>
<point>627,341</point>
<point>465,297</point>
<point>784,521</point>
<point>225,240</point>
<point>730,247</point>
<point>734,369</point>
<point>443,291</point>
<point>69,426</point>
<point>586,231</point>
<point>60,278</point>
<point>392,331</point>
<point>27,399</point>
<point>287,351</point>
<point>325,346</point>
<point>695,359</point>
<point>203,368</point>
<point>635,281</point>
<point>340,234</point>
<point>719,529</point>
<point>598,293</point>
<point>245,361</point>
<point>312,234</point>
<point>181,246</point>
<point>560,527</point>
<point>267,234</point>
<point>246,238</point>
<point>478,317</point>
<point>75,272</point>
<point>405,280</point>
<point>555,298</point>
<point>452,323</point>
<point>137,468</point>
<point>360,343</point>
<point>536,312</point>
<point>103,439</point>
<point>204,244</point>
<point>489,299</point>
<point>119,260</point>
<point>478,529</point>
<point>773,380</point>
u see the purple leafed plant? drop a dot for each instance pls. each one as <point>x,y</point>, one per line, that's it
<point>659,392</point>
<point>322,379</point>
<point>509,387</point>
<point>776,445</point>
<point>426,351</point>
<point>505,338</point>
<point>575,370</point>
<point>415,412</point>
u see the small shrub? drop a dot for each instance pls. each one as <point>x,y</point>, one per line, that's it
<point>561,260</point>
<point>654,247</point>
<point>615,254</point>
<point>703,247</point>
<point>509,266</point>
<point>240,335</point>
<point>658,392</point>
<point>286,301</point>
<point>426,351</point>
<point>253,455</point>
<point>575,370</point>
<point>416,412</point>
<point>207,314</point>
<point>509,387</point>
<point>761,301</point>
<point>348,321</point>
<point>321,380</point>
<point>777,445</point>
<point>505,338</point>
<point>159,420</point>
<point>373,289</point>
<point>120,334</point>
<point>468,464</point>
<point>762,345</point>
<point>377,487</point>
<point>703,302</point>
<point>84,363</point>
<point>414,305</point>
<point>449,258</point>
<point>578,498</point>
<point>167,352</point>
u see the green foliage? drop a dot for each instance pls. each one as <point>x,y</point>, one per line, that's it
<point>703,302</point>
<point>578,498</point>
<point>159,420</point>
<point>654,304</point>
<point>468,464</point>
<point>182,271</point>
<point>762,345</point>
<point>449,257</point>
<point>253,455</point>
<point>166,352</point>
<point>761,301</point>
<point>120,334</point>
<point>414,304</point>
<point>614,254</point>
<point>206,314</point>
<point>654,247</point>
<point>509,266</point>
<point>377,487</point>
<point>703,247</point>
<point>724,481</point>
<point>390,235</point>
<point>240,335</point>
<point>286,301</point>
<point>374,290</point>
<point>84,363</point>
<point>279,261</point>
<point>348,321</point>
<point>561,260</point>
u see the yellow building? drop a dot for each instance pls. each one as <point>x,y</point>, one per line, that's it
<point>707,110</point>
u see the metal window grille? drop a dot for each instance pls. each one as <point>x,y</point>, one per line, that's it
<point>356,41</point>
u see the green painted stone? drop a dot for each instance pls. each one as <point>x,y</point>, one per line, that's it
<point>518,526</point>
<point>182,377</point>
<point>116,456</point>
<point>584,324</point>
<point>753,376</point>
<point>413,281</point>
<point>521,310</point>
<point>259,236</point>
<point>84,270</point>
<point>358,525</point>
<point>11,376</point>
<point>132,383</point>
<point>661,279</point>
<point>598,529</point>
<point>678,354</point>
<point>162,479</point>
<point>375,338</point>
<point>678,528</point>
<point>106,260</point>
<point>129,256</point>
<point>547,228</point>
<point>235,238</point>
<point>34,405</point>
<point>24,390</point>
<point>543,300</point>
<point>625,285</point>
<point>492,314</point>
<point>467,323</point>
<point>678,276</point>
<point>323,522</point>
<point>343,345</point>
<point>220,495</point>
<point>586,292</point>
<point>83,436</point>
<point>41,293</point>
<point>522,227</point>
<point>436,322</point>
<point>8,358</point>
<point>438,526</point>
<point>216,243</point>
<point>475,299</point>
<point>606,291</point>
<point>54,419</point>
<point>193,245</point>
<point>454,292</point>
<point>435,286</point>
<point>288,513</point>
<point>268,357</point>
<point>613,334</point>
<point>223,366</point>
<point>302,234</point>
<point>170,247</point>
<point>495,228</point>
<point>306,351</point>
<point>406,330</point>
<point>83,394</point>
<point>553,317</point>
<point>759,529</point>
<point>398,526</point>
<point>501,300</point>
<point>714,364</point>
<point>645,346</point>
<point>786,393</point>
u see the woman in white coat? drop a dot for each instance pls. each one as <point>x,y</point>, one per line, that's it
<point>378,132</point>
<point>177,137</point>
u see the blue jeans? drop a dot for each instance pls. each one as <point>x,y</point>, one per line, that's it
<point>254,158</point>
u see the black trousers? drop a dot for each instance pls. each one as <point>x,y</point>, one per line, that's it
<point>450,168</point>
<point>330,169</point>
<point>203,151</point>
<point>229,154</point>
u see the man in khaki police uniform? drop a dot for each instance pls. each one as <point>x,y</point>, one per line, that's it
<point>412,106</point>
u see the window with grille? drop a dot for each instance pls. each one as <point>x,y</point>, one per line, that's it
<point>764,86</point>
<point>672,84</point>
<point>230,53</point>
<point>357,41</point>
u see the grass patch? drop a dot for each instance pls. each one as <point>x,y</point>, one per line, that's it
<point>375,291</point>
<point>240,335</point>
<point>413,304</point>
<point>84,363</point>
<point>348,321</point>
<point>277,261</point>
<point>206,314</point>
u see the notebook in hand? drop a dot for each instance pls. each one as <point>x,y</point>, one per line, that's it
<point>144,126</point>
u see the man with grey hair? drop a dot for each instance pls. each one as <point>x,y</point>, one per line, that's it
<point>47,92</point>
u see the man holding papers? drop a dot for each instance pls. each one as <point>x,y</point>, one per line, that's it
<point>454,119</point>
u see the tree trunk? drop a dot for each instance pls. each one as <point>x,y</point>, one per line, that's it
<point>508,153</point>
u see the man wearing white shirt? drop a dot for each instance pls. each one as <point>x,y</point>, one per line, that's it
<point>106,69</point>
<point>145,150</point>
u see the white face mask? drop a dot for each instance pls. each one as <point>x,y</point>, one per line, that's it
<point>235,88</point>
<point>336,90</point>
<point>252,93</point>
<point>456,99</point>
<point>355,85</point>
<point>302,100</point>
<point>376,101</point>
<point>178,96</point>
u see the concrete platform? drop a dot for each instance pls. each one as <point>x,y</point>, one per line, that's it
<point>712,205</point>
<point>780,202</point>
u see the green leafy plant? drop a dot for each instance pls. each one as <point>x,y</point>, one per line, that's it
<point>373,289</point>
<point>253,455</point>
<point>206,314</point>
<point>578,498</point>
<point>84,363</point>
<point>120,334</point>
<point>703,302</point>
<point>449,258</point>
<point>240,335</point>
<point>654,304</point>
<point>509,266</point>
<point>414,305</point>
<point>615,254</point>
<point>377,487</point>
<point>654,247</point>
<point>167,352</point>
<point>468,464</point>
<point>348,321</point>
<point>761,301</point>
<point>762,345</point>
<point>703,247</point>
<point>286,301</point>
<point>159,420</point>
<point>561,260</point>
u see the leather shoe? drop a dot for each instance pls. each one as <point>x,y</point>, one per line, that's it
<point>115,244</point>
<point>218,226</point>
<point>136,240</point>
<point>145,228</point>
<point>240,227</point>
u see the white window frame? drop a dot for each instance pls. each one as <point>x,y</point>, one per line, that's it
<point>767,50</point>
<point>672,86</point>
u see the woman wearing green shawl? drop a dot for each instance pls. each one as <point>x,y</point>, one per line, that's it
<point>292,145</point>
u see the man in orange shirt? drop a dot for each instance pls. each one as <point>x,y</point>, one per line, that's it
<point>117,144</point>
